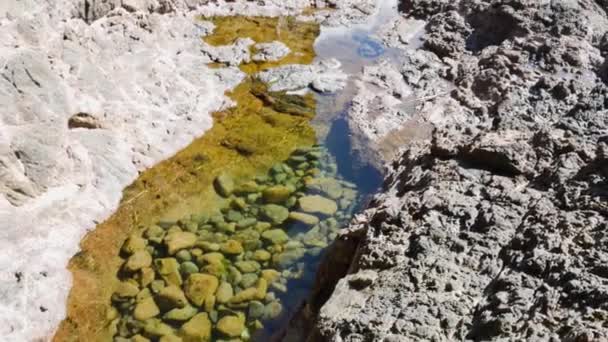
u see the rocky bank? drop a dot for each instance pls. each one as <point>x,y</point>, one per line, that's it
<point>494,228</point>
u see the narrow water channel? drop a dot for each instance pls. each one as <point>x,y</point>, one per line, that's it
<point>240,267</point>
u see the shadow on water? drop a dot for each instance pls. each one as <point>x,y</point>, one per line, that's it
<point>366,177</point>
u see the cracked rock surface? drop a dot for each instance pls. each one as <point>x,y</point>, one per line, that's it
<point>495,228</point>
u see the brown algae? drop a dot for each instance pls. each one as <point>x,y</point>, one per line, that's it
<point>245,141</point>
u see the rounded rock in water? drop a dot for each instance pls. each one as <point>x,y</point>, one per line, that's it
<point>217,282</point>
<point>224,185</point>
<point>276,214</point>
<point>316,204</point>
<point>231,326</point>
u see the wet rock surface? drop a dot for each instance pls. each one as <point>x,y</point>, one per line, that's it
<point>495,227</point>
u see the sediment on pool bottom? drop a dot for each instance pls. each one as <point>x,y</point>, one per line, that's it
<point>228,274</point>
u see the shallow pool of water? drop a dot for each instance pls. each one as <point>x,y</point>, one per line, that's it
<point>241,267</point>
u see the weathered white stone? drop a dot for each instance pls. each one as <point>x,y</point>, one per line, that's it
<point>270,52</point>
<point>324,76</point>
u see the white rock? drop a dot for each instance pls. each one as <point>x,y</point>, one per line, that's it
<point>324,76</point>
<point>233,55</point>
<point>270,52</point>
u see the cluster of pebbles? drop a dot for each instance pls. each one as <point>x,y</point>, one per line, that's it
<point>221,276</point>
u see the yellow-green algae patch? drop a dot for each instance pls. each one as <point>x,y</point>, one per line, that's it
<point>244,141</point>
<point>296,35</point>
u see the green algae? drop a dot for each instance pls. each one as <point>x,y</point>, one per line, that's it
<point>245,141</point>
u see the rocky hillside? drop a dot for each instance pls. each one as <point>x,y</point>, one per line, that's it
<point>496,227</point>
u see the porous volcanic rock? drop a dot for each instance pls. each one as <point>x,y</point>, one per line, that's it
<point>495,228</point>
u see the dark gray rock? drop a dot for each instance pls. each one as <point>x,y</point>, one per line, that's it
<point>495,228</point>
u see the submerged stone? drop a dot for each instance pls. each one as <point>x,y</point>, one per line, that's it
<point>190,226</point>
<point>226,227</point>
<point>247,188</point>
<point>234,275</point>
<point>316,204</point>
<point>247,266</point>
<point>197,329</point>
<point>232,247</point>
<point>231,326</point>
<point>246,223</point>
<point>249,279</point>
<point>168,268</point>
<point>133,244</point>
<point>179,240</point>
<point>239,203</point>
<point>155,327</point>
<point>307,219</point>
<point>224,293</point>
<point>208,246</point>
<point>315,242</point>
<point>328,186</point>
<point>211,258</point>
<point>138,260</point>
<point>157,285</point>
<point>261,255</point>
<point>276,214</point>
<point>262,226</point>
<point>188,268</point>
<point>262,289</point>
<point>255,309</point>
<point>146,309</point>
<point>181,314</point>
<point>170,338</point>
<point>288,257</point>
<point>272,310</point>
<point>233,216</point>
<point>245,295</point>
<point>276,236</point>
<point>201,287</point>
<point>143,294</point>
<point>183,255</point>
<point>270,275</point>
<point>155,233</point>
<point>174,229</point>
<point>224,185</point>
<point>139,338</point>
<point>172,297</point>
<point>277,194</point>
<point>126,289</point>
<point>293,245</point>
